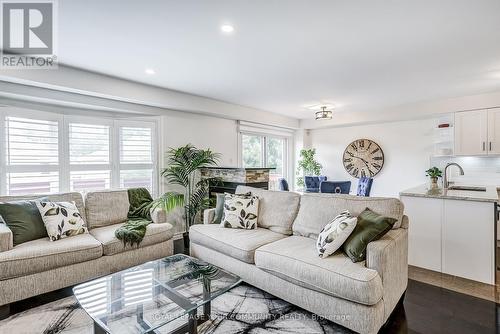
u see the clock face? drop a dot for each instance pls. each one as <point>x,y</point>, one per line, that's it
<point>363,157</point>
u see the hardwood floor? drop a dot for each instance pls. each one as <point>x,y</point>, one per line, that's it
<point>457,284</point>
<point>430,309</point>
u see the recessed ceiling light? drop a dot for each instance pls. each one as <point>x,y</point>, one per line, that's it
<point>149,71</point>
<point>227,28</point>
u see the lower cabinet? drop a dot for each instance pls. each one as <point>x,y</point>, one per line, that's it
<point>455,237</point>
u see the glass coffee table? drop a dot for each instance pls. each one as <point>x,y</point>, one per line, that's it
<point>171,295</point>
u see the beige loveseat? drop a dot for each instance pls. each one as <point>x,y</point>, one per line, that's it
<point>40,266</point>
<point>280,256</point>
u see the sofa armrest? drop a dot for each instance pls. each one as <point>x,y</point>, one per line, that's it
<point>6,238</point>
<point>158,216</point>
<point>389,257</point>
<point>208,216</point>
<point>405,222</point>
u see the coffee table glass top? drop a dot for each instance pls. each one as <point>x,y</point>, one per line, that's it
<point>156,294</point>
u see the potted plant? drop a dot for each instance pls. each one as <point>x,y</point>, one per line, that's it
<point>184,164</point>
<point>307,165</point>
<point>434,173</point>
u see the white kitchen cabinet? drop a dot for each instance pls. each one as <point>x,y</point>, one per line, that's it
<point>455,237</point>
<point>477,132</point>
<point>468,240</point>
<point>424,232</point>
<point>471,132</point>
<point>494,131</point>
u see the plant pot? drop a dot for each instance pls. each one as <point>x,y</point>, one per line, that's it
<point>185,237</point>
<point>434,182</point>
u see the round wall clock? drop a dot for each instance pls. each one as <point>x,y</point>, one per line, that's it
<point>363,157</point>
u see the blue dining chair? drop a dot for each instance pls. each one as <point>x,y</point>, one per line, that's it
<point>335,187</point>
<point>312,183</point>
<point>282,184</point>
<point>364,186</point>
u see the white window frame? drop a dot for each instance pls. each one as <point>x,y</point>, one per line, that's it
<point>64,167</point>
<point>265,131</point>
<point>153,125</point>
<point>67,168</point>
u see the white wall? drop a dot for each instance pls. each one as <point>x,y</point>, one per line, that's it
<point>407,147</point>
<point>218,134</point>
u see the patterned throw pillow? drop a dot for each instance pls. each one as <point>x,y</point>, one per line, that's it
<point>240,211</point>
<point>61,219</point>
<point>335,233</point>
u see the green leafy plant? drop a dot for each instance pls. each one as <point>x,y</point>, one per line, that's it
<point>434,172</point>
<point>184,164</point>
<point>307,165</point>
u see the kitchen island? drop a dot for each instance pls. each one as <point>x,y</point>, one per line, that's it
<point>453,231</point>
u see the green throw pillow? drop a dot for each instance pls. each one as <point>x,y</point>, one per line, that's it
<point>370,227</point>
<point>24,220</point>
<point>219,208</point>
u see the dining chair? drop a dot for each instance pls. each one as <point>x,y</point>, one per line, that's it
<point>282,184</point>
<point>364,186</point>
<point>312,183</point>
<point>335,187</point>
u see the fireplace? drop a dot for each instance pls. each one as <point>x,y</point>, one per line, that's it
<point>232,177</point>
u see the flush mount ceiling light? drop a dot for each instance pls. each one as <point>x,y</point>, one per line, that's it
<point>323,114</point>
<point>227,28</point>
<point>149,71</point>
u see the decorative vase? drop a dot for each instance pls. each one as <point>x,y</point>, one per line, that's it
<point>434,182</point>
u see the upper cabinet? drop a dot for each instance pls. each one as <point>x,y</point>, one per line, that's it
<point>494,131</point>
<point>477,132</point>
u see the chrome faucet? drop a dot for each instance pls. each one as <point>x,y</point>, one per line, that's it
<point>447,183</point>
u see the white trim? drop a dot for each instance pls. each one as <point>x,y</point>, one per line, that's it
<point>256,128</point>
<point>3,172</point>
<point>64,163</point>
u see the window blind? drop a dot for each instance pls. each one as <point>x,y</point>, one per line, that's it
<point>135,145</point>
<point>31,142</point>
<point>43,153</point>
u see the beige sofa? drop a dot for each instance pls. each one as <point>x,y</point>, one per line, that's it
<point>40,266</point>
<point>280,256</point>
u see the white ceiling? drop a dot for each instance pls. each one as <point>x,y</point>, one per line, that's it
<point>285,55</point>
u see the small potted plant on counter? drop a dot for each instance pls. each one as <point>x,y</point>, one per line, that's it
<point>434,173</point>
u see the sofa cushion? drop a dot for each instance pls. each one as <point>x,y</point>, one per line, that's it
<point>104,208</point>
<point>42,254</point>
<point>277,209</point>
<point>237,243</point>
<point>317,210</point>
<point>155,233</point>
<point>294,259</point>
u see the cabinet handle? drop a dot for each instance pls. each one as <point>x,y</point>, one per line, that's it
<point>490,146</point>
<point>484,146</point>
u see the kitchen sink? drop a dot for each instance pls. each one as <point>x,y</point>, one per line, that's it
<point>467,188</point>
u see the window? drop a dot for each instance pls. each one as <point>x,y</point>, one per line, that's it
<point>31,156</point>
<point>47,153</point>
<point>89,157</point>
<point>136,157</point>
<point>263,146</point>
<point>252,150</point>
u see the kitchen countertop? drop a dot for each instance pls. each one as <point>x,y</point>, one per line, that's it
<point>490,195</point>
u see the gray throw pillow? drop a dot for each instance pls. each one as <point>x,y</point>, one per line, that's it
<point>219,209</point>
<point>24,220</point>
